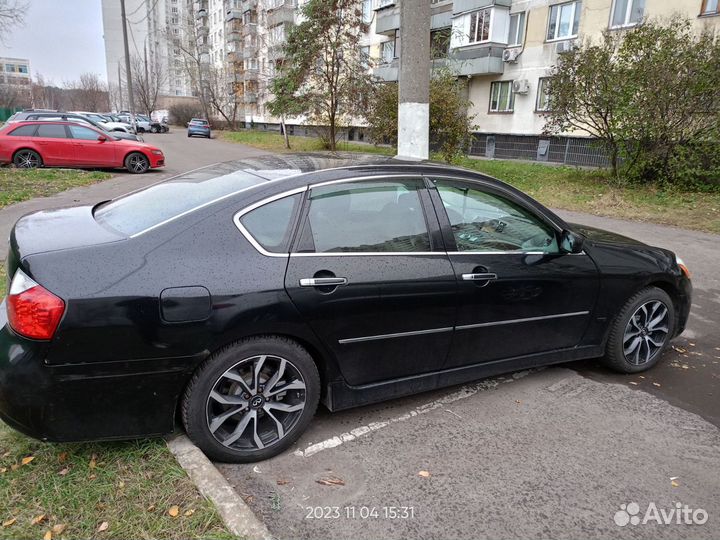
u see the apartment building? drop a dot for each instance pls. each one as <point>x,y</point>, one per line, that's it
<point>157,31</point>
<point>15,71</point>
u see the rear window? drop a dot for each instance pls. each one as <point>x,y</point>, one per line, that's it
<point>23,131</point>
<point>145,209</point>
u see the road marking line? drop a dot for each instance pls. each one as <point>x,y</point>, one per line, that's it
<point>464,393</point>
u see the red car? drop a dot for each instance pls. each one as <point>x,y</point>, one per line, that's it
<point>67,144</point>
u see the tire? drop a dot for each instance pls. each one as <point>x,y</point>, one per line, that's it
<point>234,437</point>
<point>189,135</point>
<point>154,129</point>
<point>641,332</point>
<point>137,163</point>
<point>27,159</point>
<point>141,130</point>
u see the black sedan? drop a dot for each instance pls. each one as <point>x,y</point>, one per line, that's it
<point>237,297</point>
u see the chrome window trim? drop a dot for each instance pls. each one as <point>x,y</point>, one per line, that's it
<point>368,253</point>
<point>249,237</point>
<point>461,327</point>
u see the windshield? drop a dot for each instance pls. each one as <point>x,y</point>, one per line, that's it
<point>145,209</point>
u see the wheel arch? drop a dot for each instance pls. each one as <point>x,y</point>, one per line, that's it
<point>42,159</point>
<point>137,151</point>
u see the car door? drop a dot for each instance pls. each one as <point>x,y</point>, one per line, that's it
<point>54,145</point>
<point>371,276</point>
<point>90,150</point>
<point>518,294</point>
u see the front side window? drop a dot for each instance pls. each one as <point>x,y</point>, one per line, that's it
<point>361,217</point>
<point>627,12</point>
<point>502,98</point>
<point>51,131</point>
<point>271,224</point>
<point>23,131</point>
<point>710,7</point>
<point>86,134</point>
<point>480,25</point>
<point>517,29</point>
<point>543,94</point>
<point>564,20</point>
<point>485,222</point>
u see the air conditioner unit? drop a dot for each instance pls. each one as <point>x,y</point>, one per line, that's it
<point>510,55</point>
<point>565,46</point>
<point>521,86</point>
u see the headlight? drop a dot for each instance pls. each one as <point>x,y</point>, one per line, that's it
<point>683,267</point>
<point>157,152</point>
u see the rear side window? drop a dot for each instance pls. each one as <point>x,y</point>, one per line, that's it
<point>145,209</point>
<point>52,131</point>
<point>23,131</point>
<point>271,224</point>
<point>362,217</point>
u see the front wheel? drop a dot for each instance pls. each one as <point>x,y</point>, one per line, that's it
<point>27,159</point>
<point>137,163</point>
<point>155,129</point>
<point>252,400</point>
<point>641,332</point>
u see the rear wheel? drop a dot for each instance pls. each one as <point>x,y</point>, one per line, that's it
<point>155,129</point>
<point>252,400</point>
<point>641,332</point>
<point>27,159</point>
<point>137,163</point>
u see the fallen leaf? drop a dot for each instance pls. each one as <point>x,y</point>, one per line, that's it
<point>3,470</point>
<point>9,522</point>
<point>6,454</point>
<point>47,535</point>
<point>64,471</point>
<point>282,482</point>
<point>38,519</point>
<point>93,461</point>
<point>103,526</point>
<point>27,460</point>
<point>517,401</point>
<point>679,349</point>
<point>121,484</point>
<point>14,466</point>
<point>633,383</point>
<point>189,513</point>
<point>424,474</point>
<point>673,483</point>
<point>248,499</point>
<point>331,481</point>
<point>62,457</point>
<point>692,344</point>
<point>174,511</point>
<point>92,476</point>
<point>151,508</point>
<point>59,528</point>
<point>656,384</point>
<point>641,376</point>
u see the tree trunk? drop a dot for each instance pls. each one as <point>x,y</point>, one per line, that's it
<point>285,133</point>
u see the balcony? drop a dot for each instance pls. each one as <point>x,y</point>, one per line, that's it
<point>485,59</point>
<point>202,14</point>
<point>251,74</point>
<point>201,5</point>
<point>248,5</point>
<point>387,72</point>
<point>233,15</point>
<point>387,18</point>
<point>203,31</point>
<point>249,51</point>
<point>463,6</point>
<point>284,13</point>
<point>249,29</point>
<point>250,97</point>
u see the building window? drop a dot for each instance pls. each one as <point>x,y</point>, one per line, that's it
<point>502,98</point>
<point>480,25</point>
<point>710,7</point>
<point>387,51</point>
<point>440,42</point>
<point>627,12</point>
<point>367,12</point>
<point>564,21</point>
<point>542,103</point>
<point>517,29</point>
<point>174,9</point>
<point>365,56</point>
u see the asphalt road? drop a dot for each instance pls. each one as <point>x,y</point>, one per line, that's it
<point>552,453</point>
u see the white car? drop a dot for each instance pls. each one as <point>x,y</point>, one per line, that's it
<point>107,122</point>
<point>142,122</point>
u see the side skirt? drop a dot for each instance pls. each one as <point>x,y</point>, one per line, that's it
<point>340,395</point>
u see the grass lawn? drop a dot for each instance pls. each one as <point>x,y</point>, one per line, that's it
<point>268,140</point>
<point>98,490</point>
<point>568,188</point>
<point>18,185</point>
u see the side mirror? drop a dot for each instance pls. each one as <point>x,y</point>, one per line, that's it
<point>570,242</point>
<point>102,138</point>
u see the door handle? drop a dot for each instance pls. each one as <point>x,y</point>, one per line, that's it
<point>485,276</point>
<point>323,282</point>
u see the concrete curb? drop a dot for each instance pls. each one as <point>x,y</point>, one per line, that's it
<point>236,515</point>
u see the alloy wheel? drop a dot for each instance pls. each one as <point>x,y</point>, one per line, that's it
<point>27,160</point>
<point>255,403</point>
<point>137,163</point>
<point>646,332</point>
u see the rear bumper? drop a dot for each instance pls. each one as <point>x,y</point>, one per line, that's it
<point>80,402</point>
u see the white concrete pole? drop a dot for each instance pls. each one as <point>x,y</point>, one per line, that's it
<point>414,91</point>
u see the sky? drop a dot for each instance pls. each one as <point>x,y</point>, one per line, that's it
<point>61,38</point>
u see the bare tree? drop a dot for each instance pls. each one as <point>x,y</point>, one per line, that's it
<point>221,94</point>
<point>12,15</point>
<point>45,94</point>
<point>9,97</point>
<point>89,93</point>
<point>148,78</point>
<point>195,58</point>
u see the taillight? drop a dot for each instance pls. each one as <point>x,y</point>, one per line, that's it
<point>33,311</point>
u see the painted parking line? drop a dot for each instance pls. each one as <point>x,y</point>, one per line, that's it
<point>464,393</point>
